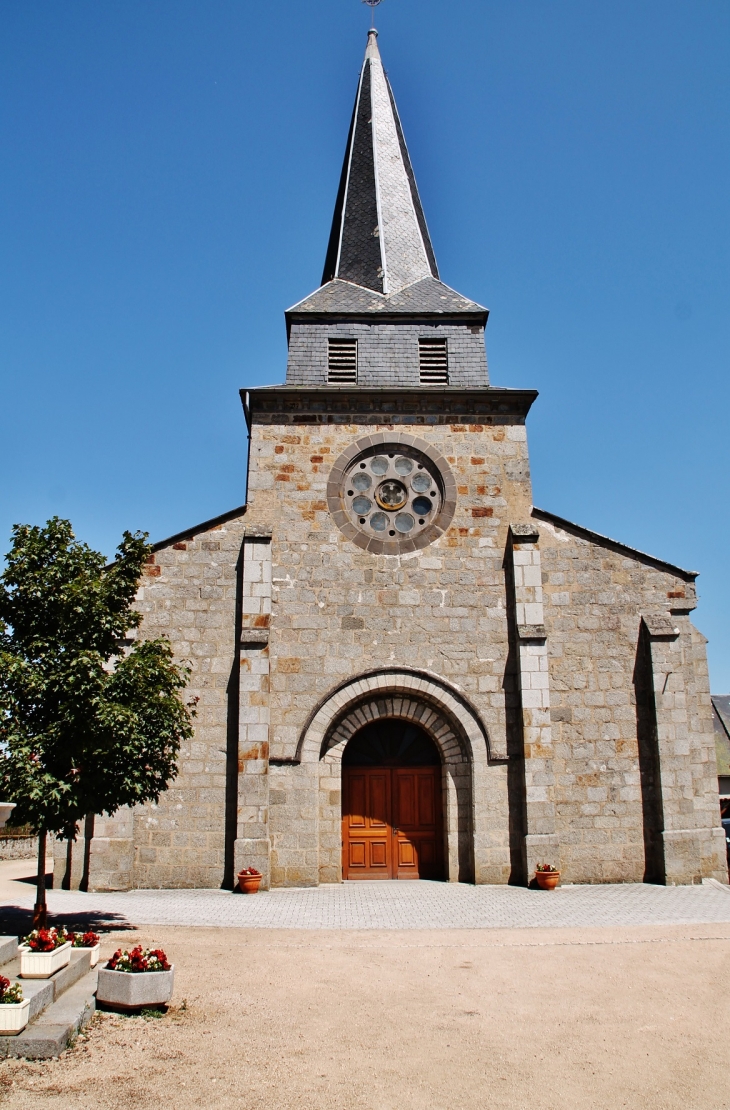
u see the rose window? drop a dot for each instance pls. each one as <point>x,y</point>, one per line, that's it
<point>396,494</point>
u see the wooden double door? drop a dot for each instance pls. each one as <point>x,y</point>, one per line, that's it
<point>392,826</point>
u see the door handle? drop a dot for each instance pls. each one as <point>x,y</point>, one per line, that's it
<point>395,832</point>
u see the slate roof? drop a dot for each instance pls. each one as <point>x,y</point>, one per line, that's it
<point>379,237</point>
<point>428,297</point>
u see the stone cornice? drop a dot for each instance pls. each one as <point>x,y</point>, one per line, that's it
<point>361,405</point>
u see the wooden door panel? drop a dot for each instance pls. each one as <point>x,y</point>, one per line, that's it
<point>378,853</point>
<point>357,801</point>
<point>406,853</point>
<point>391,823</point>
<point>406,799</point>
<point>426,800</point>
<point>378,813</point>
<point>427,853</point>
<point>366,823</point>
<point>418,851</point>
<point>357,853</point>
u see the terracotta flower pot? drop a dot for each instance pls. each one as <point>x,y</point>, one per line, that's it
<point>547,880</point>
<point>249,884</point>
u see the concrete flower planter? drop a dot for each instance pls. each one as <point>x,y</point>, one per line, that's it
<point>129,990</point>
<point>94,953</point>
<point>14,1017</point>
<point>41,965</point>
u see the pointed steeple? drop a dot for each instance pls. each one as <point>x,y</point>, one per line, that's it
<point>379,239</point>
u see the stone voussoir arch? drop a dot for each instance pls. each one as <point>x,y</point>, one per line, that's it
<point>395,692</point>
<point>450,744</point>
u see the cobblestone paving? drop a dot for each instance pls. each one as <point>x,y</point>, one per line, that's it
<point>403,905</point>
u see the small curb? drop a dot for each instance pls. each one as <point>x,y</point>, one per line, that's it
<point>714,882</point>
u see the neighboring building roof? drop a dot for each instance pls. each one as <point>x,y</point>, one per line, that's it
<point>425,297</point>
<point>614,545</point>
<point>721,721</point>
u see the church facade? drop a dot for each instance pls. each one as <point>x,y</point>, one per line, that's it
<point>405,669</point>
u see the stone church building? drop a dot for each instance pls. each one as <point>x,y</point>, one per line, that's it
<point>405,669</point>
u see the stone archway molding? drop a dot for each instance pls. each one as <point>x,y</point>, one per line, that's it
<point>378,707</point>
<point>452,712</point>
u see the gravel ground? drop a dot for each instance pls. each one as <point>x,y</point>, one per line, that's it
<point>550,1019</point>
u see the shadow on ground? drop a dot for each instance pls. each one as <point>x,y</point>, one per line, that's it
<point>16,921</point>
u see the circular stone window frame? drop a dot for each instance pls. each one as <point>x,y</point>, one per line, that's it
<point>381,442</point>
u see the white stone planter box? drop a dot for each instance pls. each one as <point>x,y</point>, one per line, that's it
<point>128,990</point>
<point>94,953</point>
<point>41,965</point>
<point>6,808</point>
<point>14,1016</point>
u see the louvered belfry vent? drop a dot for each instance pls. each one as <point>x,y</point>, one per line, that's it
<point>342,362</point>
<point>434,361</point>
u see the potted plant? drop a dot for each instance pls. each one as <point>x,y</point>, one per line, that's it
<point>547,876</point>
<point>140,977</point>
<point>14,1008</point>
<point>44,952</point>
<point>249,880</point>
<point>87,940</point>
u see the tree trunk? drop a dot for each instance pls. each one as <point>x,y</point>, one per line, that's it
<point>40,910</point>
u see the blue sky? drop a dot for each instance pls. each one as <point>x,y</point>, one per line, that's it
<point>168,176</point>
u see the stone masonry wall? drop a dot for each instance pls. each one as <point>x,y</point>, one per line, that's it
<point>338,611</point>
<point>188,593</point>
<point>387,354</point>
<point>594,599</point>
<point>450,610</point>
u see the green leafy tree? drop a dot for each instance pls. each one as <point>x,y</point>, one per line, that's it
<point>85,725</point>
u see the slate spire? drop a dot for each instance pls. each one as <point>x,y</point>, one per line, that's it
<point>379,239</point>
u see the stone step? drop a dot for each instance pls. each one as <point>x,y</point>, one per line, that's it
<point>56,995</point>
<point>56,1027</point>
<point>8,950</point>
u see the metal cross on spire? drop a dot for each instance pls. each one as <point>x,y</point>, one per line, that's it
<point>372,4</point>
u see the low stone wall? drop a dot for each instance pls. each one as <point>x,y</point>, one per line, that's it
<point>18,847</point>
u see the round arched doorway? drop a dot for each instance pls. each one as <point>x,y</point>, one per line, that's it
<point>392,811</point>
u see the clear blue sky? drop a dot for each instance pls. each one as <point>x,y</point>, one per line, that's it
<point>168,176</point>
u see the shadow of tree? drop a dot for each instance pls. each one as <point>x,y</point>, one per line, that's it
<point>17,921</point>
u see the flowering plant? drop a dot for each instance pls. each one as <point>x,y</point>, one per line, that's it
<point>249,871</point>
<point>139,959</point>
<point>84,940</point>
<point>46,940</point>
<point>9,992</point>
<point>547,868</point>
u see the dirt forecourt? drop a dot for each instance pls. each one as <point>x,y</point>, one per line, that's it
<point>405,1020</point>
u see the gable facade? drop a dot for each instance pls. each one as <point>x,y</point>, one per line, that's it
<point>389,571</point>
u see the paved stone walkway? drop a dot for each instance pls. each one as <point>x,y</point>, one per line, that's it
<point>399,905</point>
